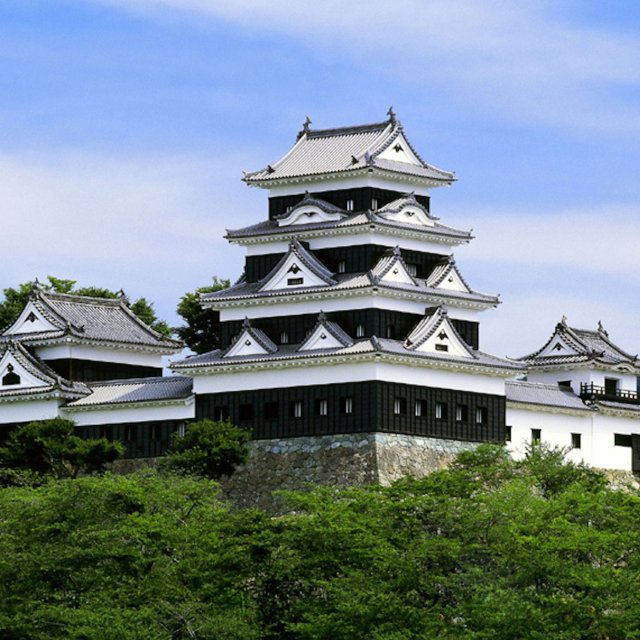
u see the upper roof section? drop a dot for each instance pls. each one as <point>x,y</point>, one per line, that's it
<point>381,149</point>
<point>49,317</point>
<point>570,346</point>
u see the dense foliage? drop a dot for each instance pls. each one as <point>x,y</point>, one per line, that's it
<point>208,449</point>
<point>489,549</point>
<point>50,449</point>
<point>15,300</point>
<point>201,333</point>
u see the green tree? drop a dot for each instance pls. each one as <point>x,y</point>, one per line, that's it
<point>208,449</point>
<point>50,448</point>
<point>201,333</point>
<point>15,300</point>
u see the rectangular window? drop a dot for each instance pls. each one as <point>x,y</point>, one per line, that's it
<point>374,204</point>
<point>621,440</point>
<point>400,407</point>
<point>246,412</point>
<point>181,429</point>
<point>421,408</point>
<point>482,415</point>
<point>342,266</point>
<point>322,407</point>
<point>441,411</point>
<point>462,413</point>
<point>221,413</point>
<point>350,205</point>
<point>442,347</point>
<point>155,431</point>
<point>270,410</point>
<point>346,406</point>
<point>129,433</point>
<point>536,436</point>
<point>576,441</point>
<point>565,384</point>
<point>611,386</point>
<point>360,331</point>
<point>507,433</point>
<point>295,409</point>
<point>292,282</point>
<point>412,269</point>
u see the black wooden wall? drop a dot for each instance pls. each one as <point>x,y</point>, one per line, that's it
<point>92,371</point>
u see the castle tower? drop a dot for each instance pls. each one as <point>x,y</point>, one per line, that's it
<point>352,316</point>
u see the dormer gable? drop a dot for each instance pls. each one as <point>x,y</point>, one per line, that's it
<point>250,342</point>
<point>436,334</point>
<point>398,149</point>
<point>407,210</point>
<point>311,211</point>
<point>326,335</point>
<point>447,276</point>
<point>31,320</point>
<point>297,268</point>
<point>391,268</point>
<point>16,374</point>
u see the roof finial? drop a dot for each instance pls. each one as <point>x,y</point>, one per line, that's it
<point>563,321</point>
<point>392,115</point>
<point>305,126</point>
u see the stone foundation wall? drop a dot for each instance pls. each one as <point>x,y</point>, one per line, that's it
<point>337,461</point>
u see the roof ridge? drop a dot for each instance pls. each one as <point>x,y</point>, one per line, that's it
<point>347,130</point>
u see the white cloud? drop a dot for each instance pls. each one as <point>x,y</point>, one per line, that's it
<point>522,61</point>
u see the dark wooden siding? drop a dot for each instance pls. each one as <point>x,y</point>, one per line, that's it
<point>362,199</point>
<point>91,371</point>
<point>373,411</point>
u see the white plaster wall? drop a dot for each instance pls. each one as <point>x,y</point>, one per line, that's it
<point>605,454</point>
<point>99,354</point>
<point>304,375</point>
<point>577,376</point>
<point>346,303</point>
<point>27,411</point>
<point>124,414</point>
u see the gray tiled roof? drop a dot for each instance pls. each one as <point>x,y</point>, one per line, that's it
<point>360,219</point>
<point>348,282</point>
<point>619,406</point>
<point>135,390</point>
<point>94,319</point>
<point>549,395</point>
<point>364,346</point>
<point>343,151</point>
<point>38,369</point>
<point>590,346</point>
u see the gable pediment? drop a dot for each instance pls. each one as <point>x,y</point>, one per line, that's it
<point>393,270</point>
<point>325,335</point>
<point>400,151</point>
<point>436,334</point>
<point>557,347</point>
<point>14,375</point>
<point>298,268</point>
<point>250,342</point>
<point>31,320</point>
<point>311,211</point>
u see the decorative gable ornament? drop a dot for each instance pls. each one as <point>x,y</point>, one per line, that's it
<point>391,268</point>
<point>311,211</point>
<point>435,334</point>
<point>297,268</point>
<point>447,276</point>
<point>407,210</point>
<point>31,320</point>
<point>250,342</point>
<point>326,335</point>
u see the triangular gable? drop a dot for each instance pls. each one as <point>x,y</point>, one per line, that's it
<point>31,320</point>
<point>16,372</point>
<point>250,342</point>
<point>560,346</point>
<point>298,268</point>
<point>391,268</point>
<point>436,334</point>
<point>447,276</point>
<point>326,335</point>
<point>399,150</point>
<point>311,211</point>
<point>407,210</point>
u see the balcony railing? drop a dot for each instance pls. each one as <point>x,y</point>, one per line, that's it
<point>594,391</point>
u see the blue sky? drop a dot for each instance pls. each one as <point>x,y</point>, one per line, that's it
<point>125,126</point>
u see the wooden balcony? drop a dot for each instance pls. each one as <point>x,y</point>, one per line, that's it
<point>590,391</point>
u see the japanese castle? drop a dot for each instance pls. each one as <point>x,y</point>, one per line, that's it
<point>352,318</point>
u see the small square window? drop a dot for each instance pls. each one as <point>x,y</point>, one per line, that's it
<point>292,282</point>
<point>155,431</point>
<point>270,410</point>
<point>482,415</point>
<point>507,433</point>
<point>576,441</point>
<point>374,204</point>
<point>421,408</point>
<point>322,407</point>
<point>621,440</point>
<point>295,409</point>
<point>442,347</point>
<point>349,206</point>
<point>412,269</point>
<point>284,337</point>
<point>346,406</point>
<point>360,331</point>
<point>400,406</point>
<point>536,436</point>
<point>246,412</point>
<point>221,413</point>
<point>441,410</point>
<point>129,433</point>
<point>462,413</point>
<point>342,266</point>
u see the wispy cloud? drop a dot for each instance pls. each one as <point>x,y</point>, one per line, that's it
<point>522,61</point>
